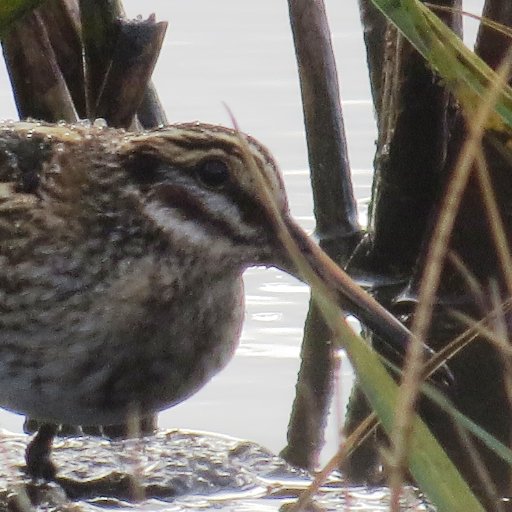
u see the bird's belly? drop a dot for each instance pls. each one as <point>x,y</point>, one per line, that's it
<point>106,370</point>
<point>110,393</point>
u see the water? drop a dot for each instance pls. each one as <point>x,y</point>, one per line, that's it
<point>240,53</point>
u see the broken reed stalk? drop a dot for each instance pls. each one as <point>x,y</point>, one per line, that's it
<point>62,22</point>
<point>134,57</point>
<point>99,34</point>
<point>120,55</point>
<point>39,87</point>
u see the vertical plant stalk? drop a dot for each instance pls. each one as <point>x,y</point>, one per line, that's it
<point>491,44</point>
<point>136,51</point>
<point>374,32</point>
<point>39,87</point>
<point>99,35</point>
<point>410,156</point>
<point>335,205</point>
<point>335,209</point>
<point>62,22</point>
<point>107,48</point>
<point>151,112</point>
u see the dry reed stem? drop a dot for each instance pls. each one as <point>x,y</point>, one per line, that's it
<point>472,283</point>
<point>495,220</point>
<point>412,376</point>
<point>474,330</point>
<point>480,468</point>
<point>499,327</point>
<point>498,27</point>
<point>363,430</point>
<point>482,330</point>
<point>134,448</point>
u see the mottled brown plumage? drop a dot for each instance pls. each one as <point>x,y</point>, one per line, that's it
<point>121,257</point>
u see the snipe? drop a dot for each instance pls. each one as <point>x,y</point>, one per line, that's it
<point>121,262</point>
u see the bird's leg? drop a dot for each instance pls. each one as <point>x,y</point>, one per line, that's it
<point>144,426</point>
<point>37,454</point>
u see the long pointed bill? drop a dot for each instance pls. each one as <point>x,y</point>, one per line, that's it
<point>356,301</point>
<point>319,268</point>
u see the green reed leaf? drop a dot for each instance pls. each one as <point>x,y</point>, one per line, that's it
<point>12,10</point>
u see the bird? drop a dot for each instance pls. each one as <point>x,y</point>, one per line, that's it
<point>121,262</point>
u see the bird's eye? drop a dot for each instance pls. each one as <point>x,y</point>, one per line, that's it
<point>213,173</point>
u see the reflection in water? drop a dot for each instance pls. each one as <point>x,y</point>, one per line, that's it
<point>283,288</point>
<point>258,349</point>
